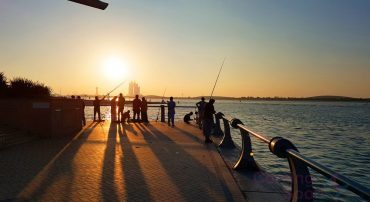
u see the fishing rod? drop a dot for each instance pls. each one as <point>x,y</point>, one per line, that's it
<point>120,84</point>
<point>115,88</point>
<point>161,101</point>
<point>217,77</point>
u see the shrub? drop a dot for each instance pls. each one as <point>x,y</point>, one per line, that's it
<point>25,88</point>
<point>22,88</point>
<point>3,85</point>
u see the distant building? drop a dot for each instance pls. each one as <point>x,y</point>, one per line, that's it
<point>133,89</point>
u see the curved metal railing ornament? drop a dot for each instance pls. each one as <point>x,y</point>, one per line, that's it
<point>302,189</point>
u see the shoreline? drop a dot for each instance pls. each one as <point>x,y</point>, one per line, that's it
<point>316,99</point>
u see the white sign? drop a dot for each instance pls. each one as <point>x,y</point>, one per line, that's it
<point>41,105</point>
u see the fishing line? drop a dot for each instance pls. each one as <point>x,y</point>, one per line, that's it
<point>115,88</point>
<point>214,86</point>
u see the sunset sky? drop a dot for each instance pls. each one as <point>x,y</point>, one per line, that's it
<point>272,48</point>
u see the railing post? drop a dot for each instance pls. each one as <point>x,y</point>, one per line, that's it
<point>162,114</point>
<point>301,179</point>
<point>226,141</point>
<point>246,160</point>
<point>217,130</point>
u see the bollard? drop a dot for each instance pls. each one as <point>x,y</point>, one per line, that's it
<point>302,189</point>
<point>162,114</point>
<point>246,159</point>
<point>217,130</point>
<point>227,141</point>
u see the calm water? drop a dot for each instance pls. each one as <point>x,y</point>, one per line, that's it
<point>336,134</point>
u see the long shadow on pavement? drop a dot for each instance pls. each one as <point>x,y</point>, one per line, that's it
<point>60,167</point>
<point>191,177</point>
<point>108,186</point>
<point>20,164</point>
<point>136,188</point>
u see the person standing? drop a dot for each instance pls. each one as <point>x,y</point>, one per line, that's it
<point>113,109</point>
<point>196,117</point>
<point>201,106</point>
<point>82,105</point>
<point>96,104</point>
<point>121,106</point>
<point>209,111</point>
<point>144,110</point>
<point>136,105</point>
<point>171,111</point>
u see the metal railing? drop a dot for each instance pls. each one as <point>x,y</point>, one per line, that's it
<point>162,108</point>
<point>302,189</point>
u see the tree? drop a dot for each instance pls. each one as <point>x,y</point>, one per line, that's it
<point>3,85</point>
<point>22,87</point>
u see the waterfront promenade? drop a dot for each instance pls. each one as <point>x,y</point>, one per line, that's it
<point>115,162</point>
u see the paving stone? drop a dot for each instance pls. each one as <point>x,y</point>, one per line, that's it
<point>110,162</point>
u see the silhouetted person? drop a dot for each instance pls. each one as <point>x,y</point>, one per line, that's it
<point>96,104</point>
<point>144,110</point>
<point>196,117</point>
<point>126,117</point>
<point>209,111</point>
<point>121,106</point>
<point>113,109</point>
<point>201,106</point>
<point>82,105</point>
<point>171,111</point>
<point>136,104</point>
<point>73,97</point>
<point>187,117</point>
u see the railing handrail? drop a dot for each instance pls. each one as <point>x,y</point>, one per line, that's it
<point>351,185</point>
<point>180,106</point>
<point>261,137</point>
<point>334,176</point>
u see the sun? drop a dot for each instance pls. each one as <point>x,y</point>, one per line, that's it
<point>115,69</point>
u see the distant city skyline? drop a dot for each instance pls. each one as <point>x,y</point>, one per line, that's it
<point>133,89</point>
<point>273,48</point>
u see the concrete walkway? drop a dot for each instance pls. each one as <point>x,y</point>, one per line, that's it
<point>114,162</point>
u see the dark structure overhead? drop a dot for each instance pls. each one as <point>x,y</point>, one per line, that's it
<point>93,3</point>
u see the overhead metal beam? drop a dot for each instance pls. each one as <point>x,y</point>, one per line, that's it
<point>93,3</point>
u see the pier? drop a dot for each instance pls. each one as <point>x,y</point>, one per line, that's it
<point>107,161</point>
<point>268,101</point>
<point>119,162</point>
